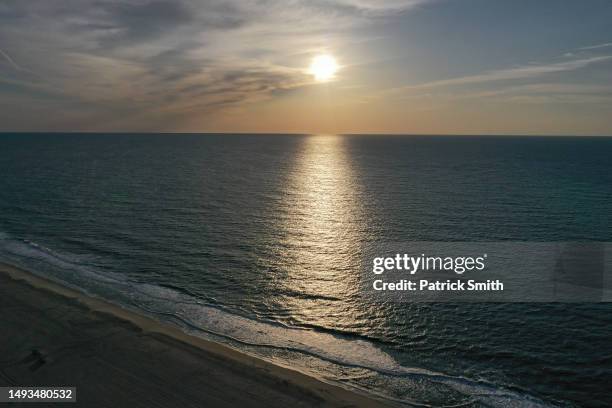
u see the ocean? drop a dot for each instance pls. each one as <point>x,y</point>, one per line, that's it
<point>254,241</point>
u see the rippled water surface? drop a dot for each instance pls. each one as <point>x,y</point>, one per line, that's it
<point>255,241</point>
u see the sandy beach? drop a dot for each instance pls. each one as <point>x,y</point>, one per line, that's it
<point>54,336</point>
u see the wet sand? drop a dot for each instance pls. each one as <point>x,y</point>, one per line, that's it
<point>54,336</point>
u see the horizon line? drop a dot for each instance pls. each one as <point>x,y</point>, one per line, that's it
<point>303,134</point>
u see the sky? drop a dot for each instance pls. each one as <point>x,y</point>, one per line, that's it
<point>405,66</point>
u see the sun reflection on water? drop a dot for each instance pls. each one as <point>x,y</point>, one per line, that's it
<point>321,227</point>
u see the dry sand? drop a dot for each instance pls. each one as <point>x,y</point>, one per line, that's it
<point>53,336</point>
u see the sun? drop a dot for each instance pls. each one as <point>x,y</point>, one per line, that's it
<point>323,68</point>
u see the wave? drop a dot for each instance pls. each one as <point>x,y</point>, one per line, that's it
<point>335,353</point>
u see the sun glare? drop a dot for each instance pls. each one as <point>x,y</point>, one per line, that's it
<point>323,67</point>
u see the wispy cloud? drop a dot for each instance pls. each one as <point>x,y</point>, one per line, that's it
<point>595,47</point>
<point>10,60</point>
<point>522,72</point>
<point>544,93</point>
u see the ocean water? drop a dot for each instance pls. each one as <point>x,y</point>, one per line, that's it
<point>255,240</point>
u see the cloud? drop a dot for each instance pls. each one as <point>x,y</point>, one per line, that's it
<point>533,83</point>
<point>9,60</point>
<point>522,72</point>
<point>594,47</point>
<point>545,93</point>
<point>140,21</point>
<point>170,56</point>
<point>382,7</point>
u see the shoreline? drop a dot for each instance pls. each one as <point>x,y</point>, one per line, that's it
<point>128,345</point>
